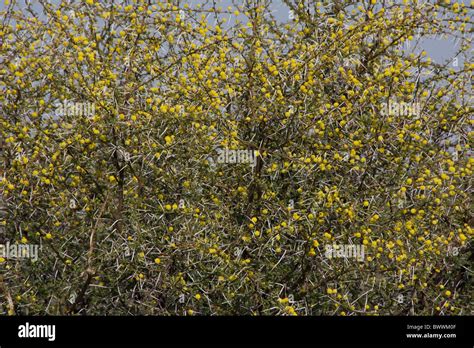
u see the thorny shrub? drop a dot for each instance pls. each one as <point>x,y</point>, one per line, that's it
<point>135,215</point>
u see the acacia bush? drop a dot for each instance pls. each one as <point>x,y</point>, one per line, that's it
<point>133,210</point>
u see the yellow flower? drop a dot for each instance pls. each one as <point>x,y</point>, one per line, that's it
<point>157,261</point>
<point>197,297</point>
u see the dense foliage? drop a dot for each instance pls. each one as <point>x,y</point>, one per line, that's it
<point>358,138</point>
